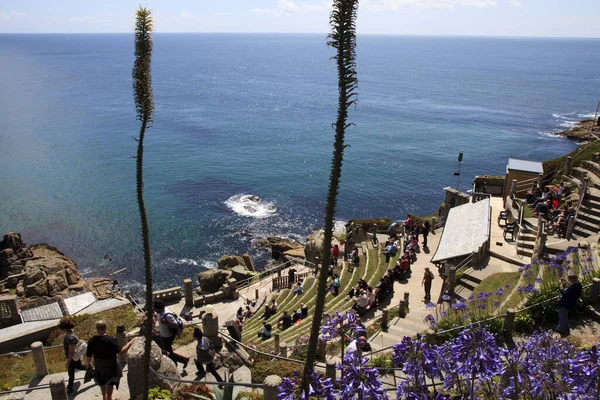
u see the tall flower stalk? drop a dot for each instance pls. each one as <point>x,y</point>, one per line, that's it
<point>343,39</point>
<point>144,105</point>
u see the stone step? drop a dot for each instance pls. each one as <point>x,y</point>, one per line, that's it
<point>416,325</point>
<point>508,259</point>
<point>591,203</point>
<point>583,215</point>
<point>587,225</point>
<point>593,194</point>
<point>527,236</point>
<point>525,252</point>
<point>526,245</point>
<point>582,233</point>
<point>400,332</point>
<point>382,340</point>
<point>590,209</point>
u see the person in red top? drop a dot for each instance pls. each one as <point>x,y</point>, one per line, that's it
<point>335,253</point>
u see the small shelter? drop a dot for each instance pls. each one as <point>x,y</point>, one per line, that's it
<point>466,232</point>
<point>521,170</point>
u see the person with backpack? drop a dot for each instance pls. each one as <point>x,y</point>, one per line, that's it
<point>170,325</point>
<point>74,350</point>
<point>205,355</point>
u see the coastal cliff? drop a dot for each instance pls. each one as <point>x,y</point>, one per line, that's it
<point>583,130</point>
<point>41,271</point>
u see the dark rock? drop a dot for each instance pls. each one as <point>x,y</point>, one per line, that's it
<point>211,281</point>
<point>12,240</point>
<point>226,262</point>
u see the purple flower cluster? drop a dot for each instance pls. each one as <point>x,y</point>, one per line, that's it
<point>471,366</point>
<point>319,388</point>
<point>339,324</point>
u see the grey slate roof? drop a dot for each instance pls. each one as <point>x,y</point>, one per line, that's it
<point>523,165</point>
<point>466,229</point>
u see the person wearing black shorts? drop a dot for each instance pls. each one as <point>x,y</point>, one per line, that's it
<point>104,349</point>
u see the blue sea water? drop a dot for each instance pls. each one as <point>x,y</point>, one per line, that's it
<point>251,114</point>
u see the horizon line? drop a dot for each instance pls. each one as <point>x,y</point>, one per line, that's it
<point>312,33</point>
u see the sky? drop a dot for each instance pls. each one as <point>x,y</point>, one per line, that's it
<point>540,18</point>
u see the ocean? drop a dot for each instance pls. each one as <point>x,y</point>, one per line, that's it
<point>251,114</point>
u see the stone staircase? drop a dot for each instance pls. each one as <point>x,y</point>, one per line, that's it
<point>398,328</point>
<point>588,217</point>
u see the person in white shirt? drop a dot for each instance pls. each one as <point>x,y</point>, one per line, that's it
<point>355,347</point>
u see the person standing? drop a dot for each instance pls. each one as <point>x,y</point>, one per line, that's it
<point>104,349</point>
<point>167,326</point>
<point>70,341</point>
<point>205,355</point>
<point>426,282</point>
<point>335,253</point>
<point>425,232</point>
<point>570,290</point>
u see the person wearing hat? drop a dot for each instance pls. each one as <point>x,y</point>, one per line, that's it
<point>166,320</point>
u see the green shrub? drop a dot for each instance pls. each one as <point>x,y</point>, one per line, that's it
<point>524,323</point>
<point>262,369</point>
<point>156,393</point>
<point>383,360</point>
<point>367,224</point>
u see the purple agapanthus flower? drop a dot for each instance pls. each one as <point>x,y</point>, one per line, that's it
<point>358,380</point>
<point>319,387</point>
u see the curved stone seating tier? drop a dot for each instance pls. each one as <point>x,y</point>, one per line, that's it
<point>291,300</point>
<point>309,298</point>
<point>340,303</point>
<point>375,269</point>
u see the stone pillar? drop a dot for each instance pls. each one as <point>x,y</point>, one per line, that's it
<point>568,165</point>
<point>513,188</point>
<point>122,340</point>
<point>210,328</point>
<point>276,337</point>
<point>39,359</point>
<point>384,318</point>
<point>595,291</point>
<point>256,294</point>
<point>58,390</point>
<point>522,212</point>
<point>283,349</point>
<point>271,383</point>
<point>188,292</point>
<point>322,350</point>
<point>509,323</point>
<point>330,371</point>
<point>406,296</point>
<point>539,180</point>
<point>430,336</point>
<point>433,222</point>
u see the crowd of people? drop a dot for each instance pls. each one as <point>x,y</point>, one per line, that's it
<point>287,320</point>
<point>548,203</point>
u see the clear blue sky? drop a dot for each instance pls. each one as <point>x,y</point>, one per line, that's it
<point>557,18</point>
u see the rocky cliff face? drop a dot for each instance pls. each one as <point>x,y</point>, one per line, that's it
<point>584,130</point>
<point>36,271</point>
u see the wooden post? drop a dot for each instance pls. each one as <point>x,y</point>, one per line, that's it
<point>595,290</point>
<point>513,188</point>
<point>256,294</point>
<point>451,280</point>
<point>39,359</point>
<point>568,165</point>
<point>542,243</point>
<point>432,226</point>
<point>277,347</point>
<point>540,178</point>
<point>58,390</point>
<point>384,318</point>
<point>406,296</point>
<point>271,385</point>
<point>509,323</point>
<point>330,371</point>
<point>403,308</point>
<point>322,350</point>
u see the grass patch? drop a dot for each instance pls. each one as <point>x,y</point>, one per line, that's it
<point>518,296</point>
<point>584,152</point>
